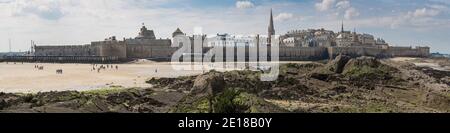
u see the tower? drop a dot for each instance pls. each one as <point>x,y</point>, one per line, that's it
<point>355,36</point>
<point>271,28</point>
<point>9,42</point>
<point>144,33</point>
<point>342,26</point>
<point>177,32</point>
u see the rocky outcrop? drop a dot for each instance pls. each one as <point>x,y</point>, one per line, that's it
<point>354,68</point>
<point>368,68</point>
<point>209,84</point>
<point>344,84</point>
<point>213,93</point>
<point>126,100</point>
<point>440,76</point>
<point>333,67</point>
<point>338,64</point>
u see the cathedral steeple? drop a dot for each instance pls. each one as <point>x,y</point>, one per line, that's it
<point>342,26</point>
<point>271,28</point>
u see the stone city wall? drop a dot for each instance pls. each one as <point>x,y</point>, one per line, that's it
<point>110,48</point>
<point>379,52</point>
<point>303,53</point>
<point>63,59</point>
<point>357,51</point>
<point>409,51</point>
<point>146,48</point>
<point>161,49</point>
<point>64,50</point>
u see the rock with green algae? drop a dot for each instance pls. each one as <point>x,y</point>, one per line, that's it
<point>228,101</point>
<point>368,68</point>
<point>98,101</point>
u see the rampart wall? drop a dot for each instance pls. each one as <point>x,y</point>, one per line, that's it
<point>380,52</point>
<point>303,53</point>
<point>146,48</point>
<point>65,50</point>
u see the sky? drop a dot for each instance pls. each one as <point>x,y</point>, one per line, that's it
<point>76,22</point>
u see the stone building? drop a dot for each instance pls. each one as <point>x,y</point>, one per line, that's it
<point>145,45</point>
<point>109,47</point>
<point>65,50</point>
<point>311,44</point>
<point>308,38</point>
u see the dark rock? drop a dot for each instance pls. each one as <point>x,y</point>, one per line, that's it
<point>7,100</point>
<point>53,97</point>
<point>53,109</point>
<point>333,67</point>
<point>181,83</point>
<point>368,69</point>
<point>320,76</point>
<point>210,84</point>
<point>340,89</point>
<point>338,64</point>
<point>291,93</point>
<point>120,98</point>
<point>441,76</point>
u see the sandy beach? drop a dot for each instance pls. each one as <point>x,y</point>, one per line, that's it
<point>25,78</point>
<point>423,62</point>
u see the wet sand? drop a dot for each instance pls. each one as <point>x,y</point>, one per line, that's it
<point>423,62</point>
<point>27,79</point>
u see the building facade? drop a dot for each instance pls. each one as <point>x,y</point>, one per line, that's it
<point>145,45</point>
<point>311,44</point>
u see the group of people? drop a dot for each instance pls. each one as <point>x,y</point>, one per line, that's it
<point>103,67</point>
<point>13,63</point>
<point>39,67</point>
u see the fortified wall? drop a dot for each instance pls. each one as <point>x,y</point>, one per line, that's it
<point>409,51</point>
<point>148,48</point>
<point>112,48</point>
<point>303,53</point>
<point>380,52</point>
<point>145,45</point>
<point>64,50</point>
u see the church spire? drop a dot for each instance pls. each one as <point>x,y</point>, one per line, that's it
<point>342,26</point>
<point>271,27</point>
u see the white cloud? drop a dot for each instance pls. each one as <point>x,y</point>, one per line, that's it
<point>46,9</point>
<point>325,5</point>
<point>284,17</point>
<point>343,4</point>
<point>424,12</point>
<point>244,4</point>
<point>442,1</point>
<point>419,19</point>
<point>338,7</point>
<point>439,7</point>
<point>83,21</point>
<point>350,13</point>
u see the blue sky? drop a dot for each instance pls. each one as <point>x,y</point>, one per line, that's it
<point>64,22</point>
